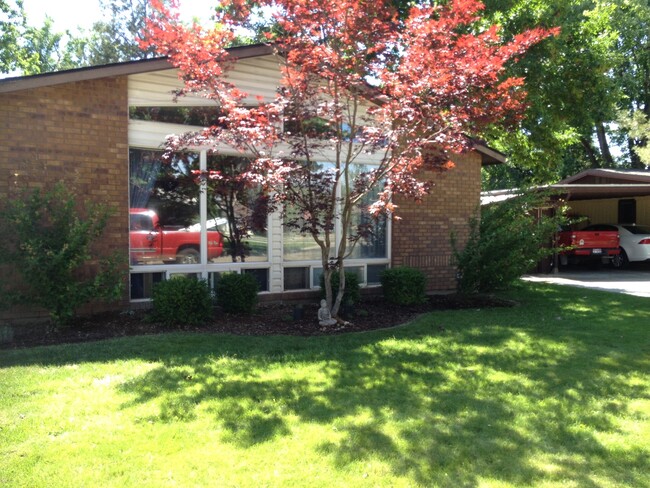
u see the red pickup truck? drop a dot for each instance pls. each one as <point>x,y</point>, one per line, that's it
<point>154,243</point>
<point>590,243</point>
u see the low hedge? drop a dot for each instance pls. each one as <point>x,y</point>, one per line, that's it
<point>404,286</point>
<point>182,300</point>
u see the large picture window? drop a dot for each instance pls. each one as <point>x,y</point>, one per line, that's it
<point>164,210</point>
<point>193,209</point>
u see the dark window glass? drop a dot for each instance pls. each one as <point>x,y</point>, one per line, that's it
<point>627,211</point>
<point>142,284</point>
<point>261,276</point>
<point>296,278</point>
<point>374,273</point>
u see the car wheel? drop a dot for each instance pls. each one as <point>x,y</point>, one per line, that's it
<point>188,256</point>
<point>620,261</point>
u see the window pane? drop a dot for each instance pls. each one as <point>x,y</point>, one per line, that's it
<point>301,246</point>
<point>316,276</point>
<point>261,276</point>
<point>142,284</point>
<point>372,243</point>
<point>164,207</point>
<point>191,276</point>
<point>296,278</point>
<point>238,210</point>
<point>357,270</point>
<point>374,273</point>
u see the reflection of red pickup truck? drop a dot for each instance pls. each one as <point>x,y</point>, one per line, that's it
<point>151,242</point>
<point>589,243</point>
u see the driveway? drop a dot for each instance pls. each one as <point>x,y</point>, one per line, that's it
<point>633,281</point>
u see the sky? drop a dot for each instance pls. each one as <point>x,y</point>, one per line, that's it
<point>70,14</point>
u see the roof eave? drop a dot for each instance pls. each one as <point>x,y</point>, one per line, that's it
<point>8,85</point>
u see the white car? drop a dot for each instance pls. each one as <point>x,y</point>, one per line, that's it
<point>212,224</point>
<point>634,242</point>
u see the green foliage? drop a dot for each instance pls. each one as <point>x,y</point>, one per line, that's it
<point>638,127</point>
<point>576,83</point>
<point>47,242</point>
<point>12,25</point>
<point>352,292</point>
<point>237,293</point>
<point>404,286</point>
<point>182,300</point>
<point>509,239</point>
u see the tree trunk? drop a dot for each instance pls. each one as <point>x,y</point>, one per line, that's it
<point>604,145</point>
<point>635,160</point>
<point>339,295</point>
<point>591,153</point>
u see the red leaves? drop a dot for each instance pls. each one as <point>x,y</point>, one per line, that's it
<point>437,76</point>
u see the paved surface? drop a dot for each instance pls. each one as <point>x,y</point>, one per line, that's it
<point>632,281</point>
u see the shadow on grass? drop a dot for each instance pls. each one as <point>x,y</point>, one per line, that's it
<point>516,395</point>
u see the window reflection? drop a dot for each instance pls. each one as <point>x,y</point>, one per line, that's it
<point>164,205</point>
<point>238,209</point>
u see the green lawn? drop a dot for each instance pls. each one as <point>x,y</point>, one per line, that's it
<point>554,392</point>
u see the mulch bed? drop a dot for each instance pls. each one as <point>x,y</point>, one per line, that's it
<point>268,319</point>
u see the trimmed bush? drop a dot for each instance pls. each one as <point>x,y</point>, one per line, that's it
<point>352,294</point>
<point>182,300</point>
<point>508,240</point>
<point>237,293</point>
<point>404,286</point>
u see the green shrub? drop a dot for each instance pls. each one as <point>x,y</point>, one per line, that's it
<point>182,300</point>
<point>237,293</point>
<point>404,286</point>
<point>508,240</point>
<point>47,243</point>
<point>352,294</point>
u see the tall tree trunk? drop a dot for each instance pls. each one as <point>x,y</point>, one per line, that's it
<point>591,153</point>
<point>604,145</point>
<point>635,160</point>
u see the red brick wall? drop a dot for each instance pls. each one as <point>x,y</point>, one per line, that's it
<point>422,238</point>
<point>76,133</point>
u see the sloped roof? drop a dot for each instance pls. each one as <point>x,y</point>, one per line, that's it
<point>591,184</point>
<point>604,176</point>
<point>13,84</point>
<point>8,85</point>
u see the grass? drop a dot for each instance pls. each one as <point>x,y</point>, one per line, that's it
<point>554,392</point>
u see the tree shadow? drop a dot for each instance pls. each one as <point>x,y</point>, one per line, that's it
<point>482,400</point>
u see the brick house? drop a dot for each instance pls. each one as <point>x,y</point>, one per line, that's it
<point>87,128</point>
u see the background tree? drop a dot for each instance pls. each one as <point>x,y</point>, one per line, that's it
<point>578,83</point>
<point>631,19</point>
<point>12,26</point>
<point>26,49</point>
<point>113,39</point>
<point>419,110</point>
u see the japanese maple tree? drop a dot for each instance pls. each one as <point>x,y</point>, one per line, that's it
<point>357,80</point>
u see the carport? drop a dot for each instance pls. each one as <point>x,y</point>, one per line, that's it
<point>599,196</point>
<point>608,196</point>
